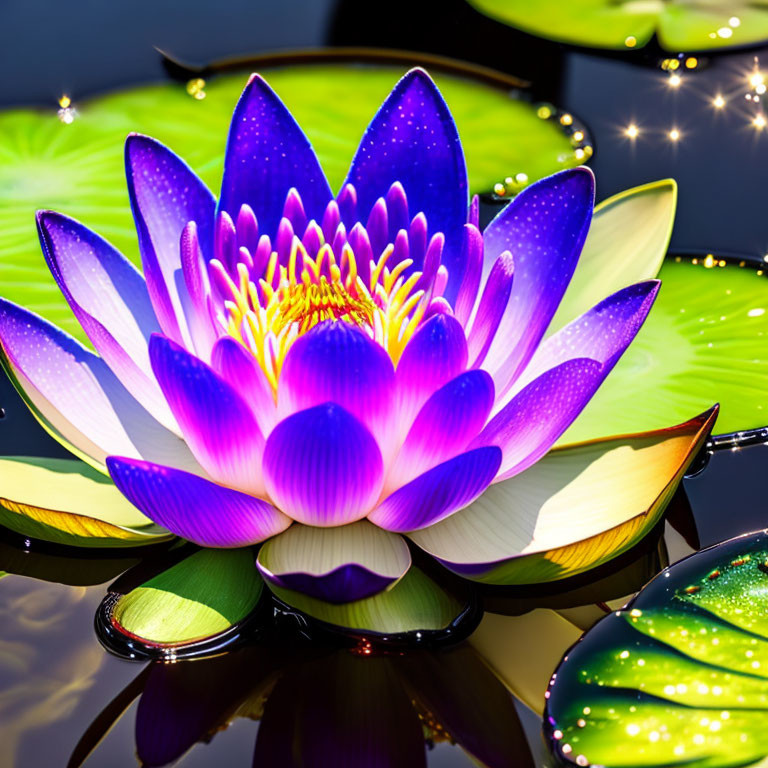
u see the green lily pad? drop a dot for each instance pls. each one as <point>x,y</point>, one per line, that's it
<point>64,501</point>
<point>679,676</point>
<point>77,168</point>
<point>199,598</point>
<point>416,604</point>
<point>680,25</point>
<point>705,341</point>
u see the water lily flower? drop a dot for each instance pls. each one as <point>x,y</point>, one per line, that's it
<point>327,374</point>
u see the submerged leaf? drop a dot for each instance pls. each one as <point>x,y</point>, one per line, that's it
<point>64,501</point>
<point>416,604</point>
<point>678,677</point>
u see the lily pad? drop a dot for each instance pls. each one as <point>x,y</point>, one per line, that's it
<point>679,25</point>
<point>64,501</point>
<point>192,608</point>
<point>677,677</point>
<point>705,341</point>
<point>416,610</point>
<point>77,168</point>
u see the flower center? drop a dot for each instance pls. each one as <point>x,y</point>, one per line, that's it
<point>270,295</point>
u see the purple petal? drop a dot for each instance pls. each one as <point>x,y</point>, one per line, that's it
<point>436,353</point>
<point>240,368</point>
<point>323,467</point>
<point>247,228</point>
<point>225,241</point>
<point>377,227</point>
<point>413,140</point>
<point>493,302</point>
<point>76,395</point>
<point>444,427</point>
<point>532,422</point>
<point>165,194</point>
<point>339,565</point>
<point>337,362</point>
<point>347,202</point>
<point>472,255</point>
<point>602,333</point>
<point>397,209</point>
<point>267,154</point>
<point>109,298</point>
<point>438,493</point>
<point>215,420</point>
<point>194,508</point>
<point>544,227</point>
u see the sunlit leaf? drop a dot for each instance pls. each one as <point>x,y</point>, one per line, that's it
<point>703,342</point>
<point>678,677</point>
<point>200,597</point>
<point>65,501</point>
<point>574,510</point>
<point>680,25</point>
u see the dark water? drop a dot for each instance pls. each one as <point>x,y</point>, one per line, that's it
<point>55,678</point>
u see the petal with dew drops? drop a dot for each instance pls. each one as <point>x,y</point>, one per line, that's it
<point>443,428</point>
<point>530,424</point>
<point>435,354</point>
<point>627,240</point>
<point>337,362</point>
<point>544,228</point>
<point>240,368</point>
<point>195,508</point>
<point>603,333</point>
<point>573,510</point>
<point>65,501</point>
<point>338,565</point>
<point>439,492</point>
<point>268,154</point>
<point>165,195</point>
<point>77,398</point>
<point>216,421</point>
<point>323,467</point>
<point>413,140</point>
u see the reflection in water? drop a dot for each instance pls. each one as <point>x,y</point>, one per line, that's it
<point>39,688</point>
<point>322,708</point>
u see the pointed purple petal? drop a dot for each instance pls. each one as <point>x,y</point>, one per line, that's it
<point>216,422</point>
<point>267,154</point>
<point>544,228</point>
<point>323,467</point>
<point>197,300</point>
<point>438,493</point>
<point>194,508</point>
<point>78,397</point>
<point>413,140</point>
<point>109,298</point>
<point>532,422</point>
<point>240,368</point>
<point>341,564</point>
<point>337,362</point>
<point>444,427</point>
<point>436,353</point>
<point>472,256</point>
<point>165,194</point>
<point>602,333</point>
<point>491,309</point>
